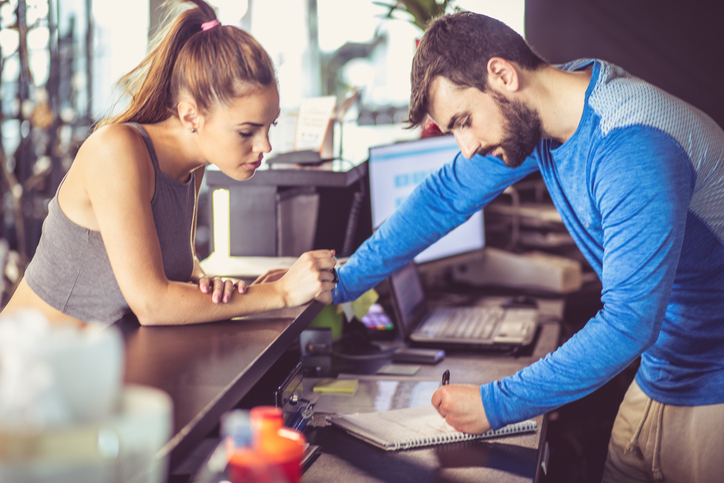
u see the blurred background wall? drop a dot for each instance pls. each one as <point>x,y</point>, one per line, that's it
<point>675,45</point>
<point>59,60</point>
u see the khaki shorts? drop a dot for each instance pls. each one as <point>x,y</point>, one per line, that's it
<point>655,442</point>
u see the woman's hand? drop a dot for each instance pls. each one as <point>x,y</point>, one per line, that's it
<point>221,289</point>
<point>309,278</point>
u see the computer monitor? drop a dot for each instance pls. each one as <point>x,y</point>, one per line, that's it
<point>396,169</point>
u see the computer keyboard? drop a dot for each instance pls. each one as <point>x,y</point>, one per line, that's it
<point>464,322</point>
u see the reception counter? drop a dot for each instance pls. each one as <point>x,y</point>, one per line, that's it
<point>207,369</point>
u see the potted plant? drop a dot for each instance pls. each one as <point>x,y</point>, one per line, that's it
<point>421,11</point>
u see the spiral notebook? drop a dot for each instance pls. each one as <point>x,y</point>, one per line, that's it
<point>408,428</point>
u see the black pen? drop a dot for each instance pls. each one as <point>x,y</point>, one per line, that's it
<point>446,377</point>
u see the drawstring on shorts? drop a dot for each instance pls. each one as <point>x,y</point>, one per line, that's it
<point>633,445</point>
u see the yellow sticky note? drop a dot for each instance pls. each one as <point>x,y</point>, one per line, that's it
<point>344,386</point>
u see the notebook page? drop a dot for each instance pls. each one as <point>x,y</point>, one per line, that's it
<point>413,427</point>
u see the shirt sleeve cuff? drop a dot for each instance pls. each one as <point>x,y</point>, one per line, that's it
<point>488,395</point>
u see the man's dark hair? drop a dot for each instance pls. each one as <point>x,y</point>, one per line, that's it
<point>458,47</point>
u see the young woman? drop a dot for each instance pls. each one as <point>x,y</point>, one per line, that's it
<point>119,232</point>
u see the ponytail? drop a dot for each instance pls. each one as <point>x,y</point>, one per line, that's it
<point>192,54</point>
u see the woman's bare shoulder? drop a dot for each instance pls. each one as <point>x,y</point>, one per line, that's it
<point>111,161</point>
<point>116,149</point>
<point>115,140</point>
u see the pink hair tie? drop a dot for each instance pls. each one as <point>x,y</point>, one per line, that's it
<point>210,25</point>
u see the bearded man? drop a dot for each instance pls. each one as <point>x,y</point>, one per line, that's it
<point>637,176</point>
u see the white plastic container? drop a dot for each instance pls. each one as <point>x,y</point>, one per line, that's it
<point>122,448</point>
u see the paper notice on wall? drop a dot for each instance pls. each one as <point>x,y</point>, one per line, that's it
<point>313,123</point>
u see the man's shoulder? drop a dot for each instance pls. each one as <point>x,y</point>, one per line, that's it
<point>621,100</point>
<point>577,64</point>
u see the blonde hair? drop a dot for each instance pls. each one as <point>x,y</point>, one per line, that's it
<point>214,65</point>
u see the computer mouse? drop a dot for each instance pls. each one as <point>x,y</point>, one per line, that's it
<point>520,301</point>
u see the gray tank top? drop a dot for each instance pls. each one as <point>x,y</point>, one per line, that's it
<point>71,271</point>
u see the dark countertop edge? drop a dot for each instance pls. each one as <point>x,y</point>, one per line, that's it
<point>184,441</point>
<point>542,441</point>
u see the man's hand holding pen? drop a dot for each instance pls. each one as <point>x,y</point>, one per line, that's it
<point>461,406</point>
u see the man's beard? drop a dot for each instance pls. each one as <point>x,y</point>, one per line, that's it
<point>521,132</point>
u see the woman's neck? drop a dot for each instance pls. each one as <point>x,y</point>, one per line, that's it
<point>175,148</point>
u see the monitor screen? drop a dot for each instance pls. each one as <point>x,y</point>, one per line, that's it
<point>396,169</point>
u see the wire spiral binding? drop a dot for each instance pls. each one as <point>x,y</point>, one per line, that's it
<point>458,437</point>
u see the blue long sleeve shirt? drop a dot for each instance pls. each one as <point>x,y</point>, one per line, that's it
<point>640,188</point>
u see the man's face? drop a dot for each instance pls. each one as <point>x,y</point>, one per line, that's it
<point>485,123</point>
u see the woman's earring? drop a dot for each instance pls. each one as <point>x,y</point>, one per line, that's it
<point>193,129</point>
